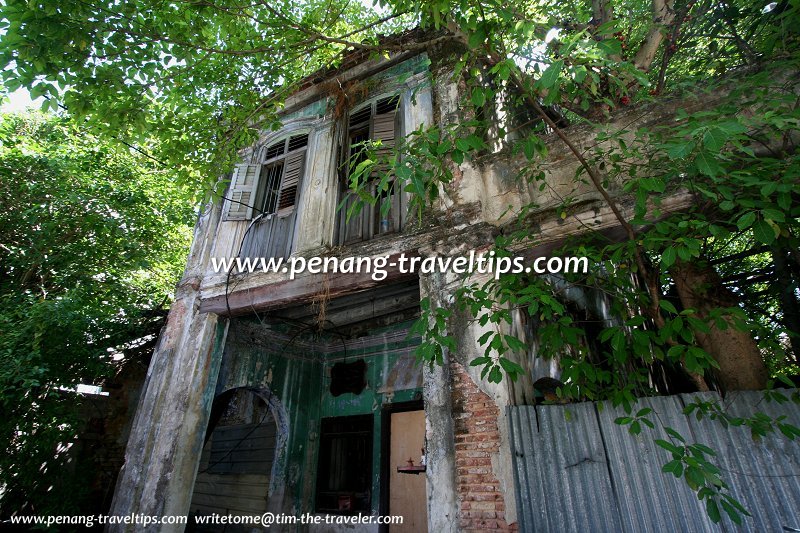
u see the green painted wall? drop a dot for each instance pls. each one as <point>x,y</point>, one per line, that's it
<point>410,67</point>
<point>296,371</point>
<point>380,352</point>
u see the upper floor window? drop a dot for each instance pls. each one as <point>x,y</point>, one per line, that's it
<point>269,187</point>
<point>375,121</point>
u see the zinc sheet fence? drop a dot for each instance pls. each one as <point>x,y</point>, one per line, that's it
<point>577,470</point>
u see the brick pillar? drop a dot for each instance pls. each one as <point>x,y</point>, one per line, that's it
<point>477,438</point>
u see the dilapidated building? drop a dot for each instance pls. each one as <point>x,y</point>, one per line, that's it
<point>303,395</point>
<point>300,392</point>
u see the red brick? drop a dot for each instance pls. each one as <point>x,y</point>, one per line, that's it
<point>473,461</point>
<point>485,497</point>
<point>470,479</point>
<point>482,488</point>
<point>473,453</point>
<point>477,437</point>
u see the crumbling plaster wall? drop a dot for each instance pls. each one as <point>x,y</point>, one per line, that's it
<point>283,371</point>
<point>491,187</point>
<point>292,371</point>
<point>470,474</point>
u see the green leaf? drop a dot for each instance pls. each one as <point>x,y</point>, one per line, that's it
<point>511,368</point>
<point>667,306</point>
<point>549,77</point>
<point>680,150</point>
<point>732,513</point>
<point>462,145</point>
<point>610,47</point>
<point>515,344</point>
<point>668,258</point>
<point>503,71</point>
<point>707,164</point>
<point>669,446</point>
<point>763,232</point>
<point>674,467</point>
<point>674,434</point>
<point>746,220</point>
<point>485,337</point>
<point>713,510</point>
<point>715,138</point>
<point>477,38</point>
<point>773,215</point>
<point>732,127</point>
<point>478,97</point>
<point>705,449</point>
<point>478,361</point>
<point>475,142</point>
<point>769,188</point>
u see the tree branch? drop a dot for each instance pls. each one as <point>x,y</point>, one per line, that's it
<point>663,15</point>
<point>602,12</point>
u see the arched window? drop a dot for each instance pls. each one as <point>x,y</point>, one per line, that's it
<point>236,465</point>
<point>270,186</point>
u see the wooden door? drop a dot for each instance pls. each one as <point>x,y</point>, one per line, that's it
<point>407,492</point>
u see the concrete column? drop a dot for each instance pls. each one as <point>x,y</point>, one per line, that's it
<point>440,444</point>
<point>166,440</point>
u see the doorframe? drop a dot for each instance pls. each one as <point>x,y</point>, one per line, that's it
<point>386,441</point>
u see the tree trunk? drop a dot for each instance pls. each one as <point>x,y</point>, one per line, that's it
<point>663,15</point>
<point>740,364</point>
<point>787,289</point>
<point>602,12</point>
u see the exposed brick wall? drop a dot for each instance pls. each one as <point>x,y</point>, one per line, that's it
<point>477,438</point>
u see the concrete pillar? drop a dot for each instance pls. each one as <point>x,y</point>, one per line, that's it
<point>440,444</point>
<point>166,438</point>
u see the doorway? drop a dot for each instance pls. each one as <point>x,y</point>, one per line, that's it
<point>407,491</point>
<point>236,464</point>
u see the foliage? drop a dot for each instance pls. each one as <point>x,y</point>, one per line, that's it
<point>206,77</point>
<point>92,240</point>
<point>739,162</point>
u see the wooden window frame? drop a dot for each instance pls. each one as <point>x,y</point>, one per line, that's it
<point>370,226</point>
<point>256,189</point>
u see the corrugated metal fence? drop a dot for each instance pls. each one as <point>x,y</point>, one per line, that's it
<point>577,470</point>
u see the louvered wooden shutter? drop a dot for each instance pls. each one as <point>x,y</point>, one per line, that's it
<point>292,174</point>
<point>241,192</point>
<point>383,126</point>
<point>383,130</point>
